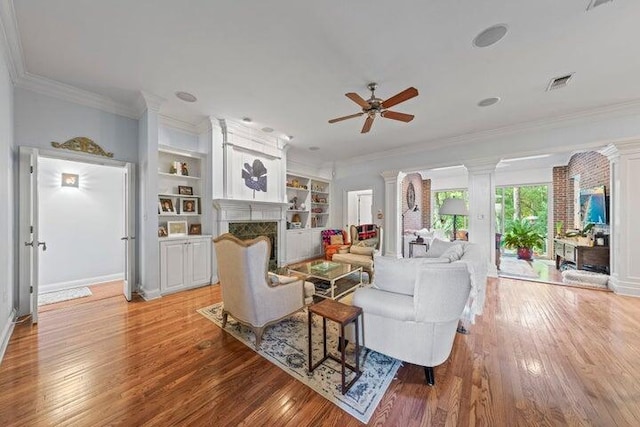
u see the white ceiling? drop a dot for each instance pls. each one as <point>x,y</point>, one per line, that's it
<point>288,64</point>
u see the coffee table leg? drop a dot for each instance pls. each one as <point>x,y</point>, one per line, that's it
<point>310,356</point>
<point>357,347</point>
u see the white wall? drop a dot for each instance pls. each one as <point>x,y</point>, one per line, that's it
<point>7,235</point>
<point>81,226</point>
<point>177,139</point>
<point>41,119</point>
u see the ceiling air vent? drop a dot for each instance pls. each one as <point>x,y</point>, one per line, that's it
<point>559,82</point>
<point>595,3</point>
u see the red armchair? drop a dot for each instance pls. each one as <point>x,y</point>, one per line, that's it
<point>333,241</point>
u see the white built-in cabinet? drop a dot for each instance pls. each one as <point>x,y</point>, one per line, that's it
<point>185,254</point>
<point>184,263</point>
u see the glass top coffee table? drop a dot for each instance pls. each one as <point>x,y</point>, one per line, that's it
<point>331,272</point>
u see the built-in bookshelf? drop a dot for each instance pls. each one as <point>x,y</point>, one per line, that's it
<point>308,200</point>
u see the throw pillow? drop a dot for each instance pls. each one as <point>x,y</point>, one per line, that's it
<point>336,239</point>
<point>362,250</point>
<point>372,243</point>
<point>454,253</point>
<point>438,247</point>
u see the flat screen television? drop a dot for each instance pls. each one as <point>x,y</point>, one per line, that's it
<point>593,205</point>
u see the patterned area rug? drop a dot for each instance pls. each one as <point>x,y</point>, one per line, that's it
<point>64,295</point>
<point>514,267</point>
<point>285,345</point>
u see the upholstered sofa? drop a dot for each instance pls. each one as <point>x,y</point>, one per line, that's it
<point>413,308</point>
<point>364,245</point>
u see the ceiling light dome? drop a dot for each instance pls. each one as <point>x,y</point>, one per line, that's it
<point>491,35</point>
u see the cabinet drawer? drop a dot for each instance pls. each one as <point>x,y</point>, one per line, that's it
<point>570,253</point>
<point>558,249</point>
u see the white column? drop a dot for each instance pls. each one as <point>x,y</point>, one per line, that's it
<point>392,238</point>
<point>147,234</point>
<point>482,211</point>
<point>624,236</point>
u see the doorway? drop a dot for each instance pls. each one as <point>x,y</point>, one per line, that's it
<point>74,213</point>
<point>360,207</point>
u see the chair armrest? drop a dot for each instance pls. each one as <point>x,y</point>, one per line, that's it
<point>278,279</point>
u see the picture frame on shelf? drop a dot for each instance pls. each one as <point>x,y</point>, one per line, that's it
<point>162,231</point>
<point>195,229</point>
<point>184,190</point>
<point>177,228</point>
<point>166,205</point>
<point>188,205</point>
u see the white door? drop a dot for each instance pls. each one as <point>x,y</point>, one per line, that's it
<point>29,227</point>
<point>364,208</point>
<point>129,232</point>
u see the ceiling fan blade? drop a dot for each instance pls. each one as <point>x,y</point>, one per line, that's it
<point>339,119</point>
<point>401,97</point>
<point>367,124</point>
<point>397,116</point>
<point>357,99</point>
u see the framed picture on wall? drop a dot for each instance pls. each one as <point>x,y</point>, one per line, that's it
<point>177,228</point>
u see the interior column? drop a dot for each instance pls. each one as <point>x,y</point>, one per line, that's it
<point>482,211</point>
<point>624,159</point>
<point>392,238</point>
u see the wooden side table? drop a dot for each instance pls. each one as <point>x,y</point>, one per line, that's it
<point>415,242</point>
<point>343,315</point>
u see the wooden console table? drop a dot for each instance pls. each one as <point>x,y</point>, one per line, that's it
<point>570,250</point>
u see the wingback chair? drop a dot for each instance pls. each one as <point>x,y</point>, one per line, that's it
<point>332,248</point>
<point>250,294</point>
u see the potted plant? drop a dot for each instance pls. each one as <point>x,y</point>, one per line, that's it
<point>523,236</point>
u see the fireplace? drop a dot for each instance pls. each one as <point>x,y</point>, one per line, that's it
<point>251,230</point>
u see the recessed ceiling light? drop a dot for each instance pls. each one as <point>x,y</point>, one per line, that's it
<point>490,36</point>
<point>267,130</point>
<point>488,101</point>
<point>314,148</point>
<point>186,96</point>
<point>247,119</point>
<point>559,82</point>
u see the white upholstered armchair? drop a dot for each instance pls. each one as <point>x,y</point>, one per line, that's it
<point>412,310</point>
<point>250,294</point>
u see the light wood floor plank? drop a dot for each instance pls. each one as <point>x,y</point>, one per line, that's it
<point>540,355</point>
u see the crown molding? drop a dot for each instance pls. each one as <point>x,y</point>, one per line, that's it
<point>73,94</point>
<point>12,45</point>
<point>627,108</point>
<point>179,124</point>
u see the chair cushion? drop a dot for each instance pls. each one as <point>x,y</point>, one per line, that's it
<point>336,239</point>
<point>362,250</point>
<point>385,304</point>
<point>399,275</point>
<point>438,247</point>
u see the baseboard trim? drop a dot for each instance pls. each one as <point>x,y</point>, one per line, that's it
<point>52,287</point>
<point>629,289</point>
<point>149,295</point>
<point>6,333</point>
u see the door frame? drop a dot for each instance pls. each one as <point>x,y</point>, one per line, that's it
<point>25,220</point>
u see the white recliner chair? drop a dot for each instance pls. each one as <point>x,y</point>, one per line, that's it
<point>250,294</point>
<point>412,311</point>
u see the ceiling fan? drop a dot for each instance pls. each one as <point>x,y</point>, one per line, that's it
<point>373,106</point>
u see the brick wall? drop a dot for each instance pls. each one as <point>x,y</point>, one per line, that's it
<point>412,220</point>
<point>594,170</point>
<point>426,203</point>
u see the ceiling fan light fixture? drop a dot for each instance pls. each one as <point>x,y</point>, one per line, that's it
<point>186,96</point>
<point>490,36</point>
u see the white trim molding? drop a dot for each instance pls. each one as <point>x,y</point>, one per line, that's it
<point>90,281</point>
<point>6,333</point>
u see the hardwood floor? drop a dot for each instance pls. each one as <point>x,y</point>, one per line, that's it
<point>540,355</point>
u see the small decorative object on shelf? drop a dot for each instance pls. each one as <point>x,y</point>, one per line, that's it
<point>173,170</point>
<point>166,206</point>
<point>195,229</point>
<point>176,168</point>
<point>162,231</point>
<point>189,206</point>
<point>183,168</point>
<point>177,228</point>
